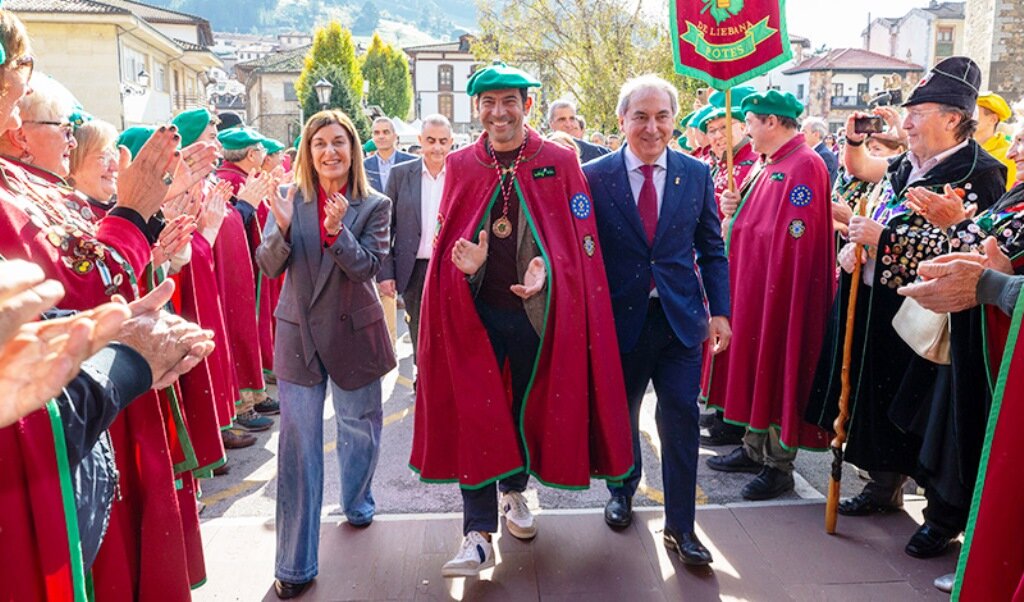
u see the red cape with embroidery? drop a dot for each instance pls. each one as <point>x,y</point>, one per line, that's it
<point>575,423</point>
<point>782,280</point>
<point>992,562</point>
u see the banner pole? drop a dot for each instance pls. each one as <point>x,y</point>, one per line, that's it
<point>728,139</point>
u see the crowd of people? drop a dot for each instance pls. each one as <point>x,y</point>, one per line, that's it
<point>153,281</point>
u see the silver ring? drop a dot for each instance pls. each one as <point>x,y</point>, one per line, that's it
<point>168,178</point>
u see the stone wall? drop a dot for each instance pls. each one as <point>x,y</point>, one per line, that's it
<point>1006,74</point>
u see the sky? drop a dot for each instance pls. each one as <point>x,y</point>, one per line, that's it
<point>840,23</point>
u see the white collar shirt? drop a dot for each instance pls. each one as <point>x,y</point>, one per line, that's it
<point>636,175</point>
<point>920,170</point>
<point>430,203</point>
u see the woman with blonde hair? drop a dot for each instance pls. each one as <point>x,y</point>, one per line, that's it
<point>328,236</point>
<point>94,163</point>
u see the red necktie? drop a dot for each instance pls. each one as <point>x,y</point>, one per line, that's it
<point>648,203</point>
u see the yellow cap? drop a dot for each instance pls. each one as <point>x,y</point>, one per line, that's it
<point>995,103</point>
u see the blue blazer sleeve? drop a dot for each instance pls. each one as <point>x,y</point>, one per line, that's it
<point>707,241</point>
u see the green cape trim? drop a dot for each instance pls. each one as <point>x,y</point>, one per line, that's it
<point>67,494</point>
<point>990,431</point>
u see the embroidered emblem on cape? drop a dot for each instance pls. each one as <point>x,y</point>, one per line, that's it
<point>801,196</point>
<point>544,172</point>
<point>797,228</point>
<point>778,176</point>
<point>580,205</point>
<point>437,229</point>
<point>589,246</point>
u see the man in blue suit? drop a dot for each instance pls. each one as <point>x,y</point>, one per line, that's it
<point>656,214</point>
<point>815,130</point>
<point>378,167</point>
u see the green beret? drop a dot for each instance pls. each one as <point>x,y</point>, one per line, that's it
<point>773,102</point>
<point>719,113</point>
<point>685,121</point>
<point>191,124</point>
<point>700,114</point>
<point>683,143</point>
<point>738,94</point>
<point>369,146</point>
<point>272,146</point>
<point>135,138</point>
<point>238,138</point>
<point>298,140</point>
<point>499,76</point>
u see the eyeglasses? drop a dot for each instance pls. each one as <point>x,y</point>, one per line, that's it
<point>66,127</point>
<point>918,115</point>
<point>25,63</point>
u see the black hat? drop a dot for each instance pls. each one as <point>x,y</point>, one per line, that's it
<point>228,121</point>
<point>954,82</point>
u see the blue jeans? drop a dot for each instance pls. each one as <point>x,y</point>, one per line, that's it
<point>300,467</point>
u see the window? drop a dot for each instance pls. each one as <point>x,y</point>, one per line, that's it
<point>132,63</point>
<point>862,93</point>
<point>445,78</point>
<point>799,90</point>
<point>944,42</point>
<point>446,106</point>
<point>838,89</point>
<point>160,78</point>
<point>289,91</point>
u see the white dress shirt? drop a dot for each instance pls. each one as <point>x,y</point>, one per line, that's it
<point>636,176</point>
<point>430,203</point>
<point>920,170</point>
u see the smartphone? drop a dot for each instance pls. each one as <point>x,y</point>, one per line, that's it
<point>868,125</point>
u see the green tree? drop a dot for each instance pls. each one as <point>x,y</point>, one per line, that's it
<point>341,98</point>
<point>581,48</point>
<point>332,46</point>
<point>386,70</point>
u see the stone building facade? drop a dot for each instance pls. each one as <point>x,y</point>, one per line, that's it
<point>995,39</point>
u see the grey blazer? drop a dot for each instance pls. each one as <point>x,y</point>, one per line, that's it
<point>329,308</point>
<point>405,189</point>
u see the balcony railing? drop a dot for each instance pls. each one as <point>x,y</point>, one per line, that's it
<point>847,102</point>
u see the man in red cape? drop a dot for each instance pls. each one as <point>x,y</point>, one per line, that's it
<point>782,273</point>
<point>566,419</point>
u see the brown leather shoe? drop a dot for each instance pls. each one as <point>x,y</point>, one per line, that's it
<point>222,470</point>
<point>235,440</point>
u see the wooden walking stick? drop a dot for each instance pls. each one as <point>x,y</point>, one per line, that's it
<point>832,505</point>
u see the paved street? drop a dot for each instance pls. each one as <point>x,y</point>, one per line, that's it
<point>249,489</point>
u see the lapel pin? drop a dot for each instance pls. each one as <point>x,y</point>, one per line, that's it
<point>677,180</point>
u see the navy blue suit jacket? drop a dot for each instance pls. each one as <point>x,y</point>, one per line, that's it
<point>373,168</point>
<point>590,151</point>
<point>831,161</point>
<point>688,229</point>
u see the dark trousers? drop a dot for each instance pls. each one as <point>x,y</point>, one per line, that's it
<point>675,370</point>
<point>413,297</point>
<point>513,339</point>
<point>885,487</point>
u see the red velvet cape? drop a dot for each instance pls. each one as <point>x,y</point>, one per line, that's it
<point>575,423</point>
<point>991,563</point>
<point>782,280</point>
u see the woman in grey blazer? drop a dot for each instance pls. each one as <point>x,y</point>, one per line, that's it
<point>328,235</point>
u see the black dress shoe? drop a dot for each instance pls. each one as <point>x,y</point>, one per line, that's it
<point>286,590</point>
<point>770,483</point>
<point>928,542</point>
<point>736,461</point>
<point>720,434</point>
<point>618,512</point>
<point>863,505</point>
<point>707,420</point>
<point>689,548</point>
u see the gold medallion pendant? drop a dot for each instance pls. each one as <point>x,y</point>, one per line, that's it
<point>502,227</point>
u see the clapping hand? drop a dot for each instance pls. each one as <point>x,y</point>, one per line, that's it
<point>176,235</point>
<point>468,256</point>
<point>283,208</point>
<point>334,210</point>
<point>941,210</point>
<point>533,280</point>
<point>257,188</point>
<point>197,161</point>
<point>214,210</point>
<point>864,231</point>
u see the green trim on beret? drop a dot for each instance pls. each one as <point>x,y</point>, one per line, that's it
<point>773,102</point>
<point>134,138</point>
<point>499,76</point>
<point>191,124</point>
<point>272,146</point>
<point>238,138</point>
<point>685,121</point>
<point>369,146</point>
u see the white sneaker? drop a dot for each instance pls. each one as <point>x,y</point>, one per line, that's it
<point>518,517</point>
<point>475,555</point>
<point>945,583</point>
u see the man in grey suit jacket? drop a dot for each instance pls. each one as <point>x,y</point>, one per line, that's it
<point>562,117</point>
<point>378,167</point>
<point>415,189</point>
<point>814,130</point>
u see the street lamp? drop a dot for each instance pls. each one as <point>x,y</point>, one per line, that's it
<point>323,92</point>
<point>143,78</point>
